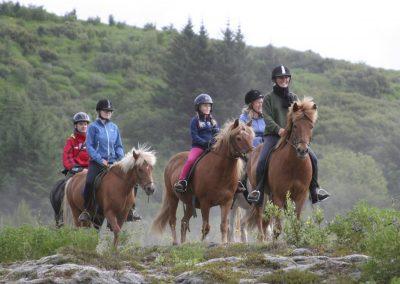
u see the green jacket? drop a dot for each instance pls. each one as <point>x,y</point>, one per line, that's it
<point>274,113</point>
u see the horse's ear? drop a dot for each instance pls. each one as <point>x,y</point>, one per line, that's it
<point>250,123</point>
<point>295,107</point>
<point>135,155</point>
<point>235,124</point>
<point>314,106</point>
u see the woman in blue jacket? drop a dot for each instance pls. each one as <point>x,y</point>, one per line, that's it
<point>104,146</point>
<point>253,112</point>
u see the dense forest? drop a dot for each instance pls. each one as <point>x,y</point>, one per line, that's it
<point>52,67</point>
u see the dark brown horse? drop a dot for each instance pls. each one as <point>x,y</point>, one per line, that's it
<point>289,169</point>
<point>114,194</point>
<point>214,181</point>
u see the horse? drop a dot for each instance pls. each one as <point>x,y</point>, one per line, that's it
<point>56,197</point>
<point>289,169</point>
<point>240,204</point>
<point>214,182</point>
<point>114,195</point>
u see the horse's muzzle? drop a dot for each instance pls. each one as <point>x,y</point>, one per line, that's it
<point>302,153</point>
<point>149,189</point>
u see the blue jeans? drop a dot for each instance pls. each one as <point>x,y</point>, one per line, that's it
<point>269,142</point>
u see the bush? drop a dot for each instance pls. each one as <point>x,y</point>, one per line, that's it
<point>375,232</point>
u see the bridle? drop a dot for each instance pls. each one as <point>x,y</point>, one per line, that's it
<point>294,142</point>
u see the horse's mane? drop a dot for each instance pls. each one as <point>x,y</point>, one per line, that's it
<point>145,155</point>
<point>223,138</point>
<point>306,108</point>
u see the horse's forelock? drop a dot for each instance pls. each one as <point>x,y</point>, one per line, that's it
<point>144,154</point>
<point>305,108</point>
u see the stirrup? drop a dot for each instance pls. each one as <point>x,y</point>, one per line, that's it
<point>254,196</point>
<point>180,186</point>
<point>84,216</point>
<point>322,194</point>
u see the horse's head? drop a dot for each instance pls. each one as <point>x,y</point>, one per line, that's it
<point>302,117</point>
<point>144,170</point>
<point>237,136</point>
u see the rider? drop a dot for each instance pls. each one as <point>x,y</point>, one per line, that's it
<point>75,156</point>
<point>104,146</point>
<point>275,109</point>
<point>203,128</point>
<point>253,112</point>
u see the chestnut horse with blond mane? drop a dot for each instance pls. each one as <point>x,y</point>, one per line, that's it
<point>114,194</point>
<point>214,182</point>
<point>289,168</point>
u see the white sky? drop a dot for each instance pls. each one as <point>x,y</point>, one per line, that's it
<point>355,30</point>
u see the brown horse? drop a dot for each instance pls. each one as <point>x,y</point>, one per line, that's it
<point>290,168</point>
<point>214,181</point>
<point>114,194</point>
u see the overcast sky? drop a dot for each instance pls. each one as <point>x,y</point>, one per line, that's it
<point>354,30</point>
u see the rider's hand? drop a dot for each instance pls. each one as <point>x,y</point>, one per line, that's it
<point>105,163</point>
<point>282,132</point>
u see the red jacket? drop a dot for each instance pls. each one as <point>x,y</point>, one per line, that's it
<point>75,151</point>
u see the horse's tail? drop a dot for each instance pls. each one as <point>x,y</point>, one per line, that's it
<point>160,222</point>
<point>66,208</point>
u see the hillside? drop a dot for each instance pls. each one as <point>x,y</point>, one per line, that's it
<point>52,67</point>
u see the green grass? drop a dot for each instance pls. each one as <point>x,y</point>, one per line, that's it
<point>29,242</point>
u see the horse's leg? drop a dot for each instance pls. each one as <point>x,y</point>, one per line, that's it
<point>259,218</point>
<point>278,224</point>
<point>224,221</point>
<point>243,226</point>
<point>173,205</point>
<point>185,221</point>
<point>205,213</point>
<point>112,220</point>
<point>232,221</point>
<point>300,203</point>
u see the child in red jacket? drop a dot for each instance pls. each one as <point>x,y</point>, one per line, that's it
<point>75,156</point>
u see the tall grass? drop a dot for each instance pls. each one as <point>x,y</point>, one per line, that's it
<point>33,242</point>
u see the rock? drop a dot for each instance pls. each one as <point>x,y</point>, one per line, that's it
<point>188,278</point>
<point>353,258</point>
<point>301,251</point>
<point>222,259</point>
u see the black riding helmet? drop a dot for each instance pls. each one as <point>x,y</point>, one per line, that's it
<point>252,95</point>
<point>104,105</point>
<point>280,71</point>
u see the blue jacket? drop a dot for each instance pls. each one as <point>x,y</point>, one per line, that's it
<point>103,142</point>
<point>258,127</point>
<point>202,132</point>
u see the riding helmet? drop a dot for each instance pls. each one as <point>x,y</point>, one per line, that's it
<point>202,99</point>
<point>104,105</point>
<point>280,71</point>
<point>252,95</point>
<point>81,116</point>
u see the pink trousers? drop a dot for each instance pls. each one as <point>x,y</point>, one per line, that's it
<point>194,153</point>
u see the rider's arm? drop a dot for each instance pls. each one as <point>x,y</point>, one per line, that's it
<point>270,125</point>
<point>119,148</point>
<point>68,154</point>
<point>90,144</point>
<point>194,132</point>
